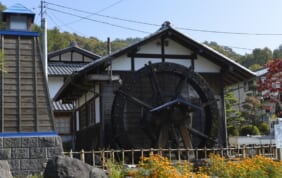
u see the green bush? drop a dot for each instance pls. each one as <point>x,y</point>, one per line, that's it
<point>249,130</point>
<point>264,128</point>
<point>232,131</point>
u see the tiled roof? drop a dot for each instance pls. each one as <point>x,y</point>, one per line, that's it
<point>58,106</point>
<point>63,69</point>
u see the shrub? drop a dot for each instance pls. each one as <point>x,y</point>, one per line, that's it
<point>232,131</point>
<point>264,128</point>
<point>249,130</point>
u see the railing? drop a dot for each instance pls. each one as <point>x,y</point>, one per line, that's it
<point>131,157</point>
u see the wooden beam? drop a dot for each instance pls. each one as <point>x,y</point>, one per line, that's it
<point>2,86</point>
<point>102,77</point>
<point>166,56</point>
<point>163,50</point>
<point>36,118</point>
<point>132,64</point>
<point>18,64</point>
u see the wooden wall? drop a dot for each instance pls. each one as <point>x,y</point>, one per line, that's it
<point>24,102</point>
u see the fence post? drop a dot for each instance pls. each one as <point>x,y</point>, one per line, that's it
<point>70,154</point>
<point>122,155</point>
<point>93,158</point>
<point>132,156</point>
<point>205,152</point>
<point>103,159</point>
<point>244,152</point>
<point>169,154</point>
<point>82,156</point>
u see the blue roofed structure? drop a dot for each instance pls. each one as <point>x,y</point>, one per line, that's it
<point>17,9</point>
<point>18,18</point>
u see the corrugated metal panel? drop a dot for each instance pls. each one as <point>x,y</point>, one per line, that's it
<point>59,106</point>
<point>63,68</point>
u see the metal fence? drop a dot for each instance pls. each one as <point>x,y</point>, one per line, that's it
<point>131,157</point>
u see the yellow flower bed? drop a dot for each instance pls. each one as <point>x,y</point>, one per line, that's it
<point>156,166</point>
<point>256,167</point>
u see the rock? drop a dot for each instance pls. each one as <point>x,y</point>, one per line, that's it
<point>5,169</point>
<point>66,167</point>
<point>97,173</point>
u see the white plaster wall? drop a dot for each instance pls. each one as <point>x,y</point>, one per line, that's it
<point>151,47</point>
<point>97,104</point>
<point>54,84</point>
<point>204,65</point>
<point>176,48</point>
<point>76,57</point>
<point>55,58</point>
<point>122,63</point>
<point>66,56</point>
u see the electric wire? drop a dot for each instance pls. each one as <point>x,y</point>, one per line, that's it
<point>98,21</point>
<point>90,13</point>
<point>132,21</point>
<point>106,16</point>
<point>181,28</point>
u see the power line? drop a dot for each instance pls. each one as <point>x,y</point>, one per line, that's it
<point>109,6</point>
<point>181,28</point>
<point>132,21</point>
<point>236,47</point>
<point>74,30</point>
<point>229,33</point>
<point>90,13</point>
<point>98,21</point>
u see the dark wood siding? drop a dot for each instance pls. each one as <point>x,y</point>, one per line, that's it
<point>25,104</point>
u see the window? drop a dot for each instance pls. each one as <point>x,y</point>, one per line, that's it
<point>18,23</point>
<point>63,125</point>
<point>87,115</point>
<point>91,112</point>
<point>83,117</point>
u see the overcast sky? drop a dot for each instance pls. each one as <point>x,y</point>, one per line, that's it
<point>239,16</point>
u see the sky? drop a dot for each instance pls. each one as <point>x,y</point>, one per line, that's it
<point>249,18</point>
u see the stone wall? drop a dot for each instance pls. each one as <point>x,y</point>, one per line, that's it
<point>29,155</point>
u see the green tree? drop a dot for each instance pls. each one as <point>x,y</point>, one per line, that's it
<point>252,111</point>
<point>258,56</point>
<point>2,24</point>
<point>224,50</point>
<point>277,53</point>
<point>233,115</point>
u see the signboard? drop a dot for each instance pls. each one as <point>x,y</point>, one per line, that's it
<point>278,135</point>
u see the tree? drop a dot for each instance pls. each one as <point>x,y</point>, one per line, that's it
<point>270,85</point>
<point>233,115</point>
<point>258,56</point>
<point>277,53</point>
<point>224,50</point>
<point>2,8</point>
<point>252,111</point>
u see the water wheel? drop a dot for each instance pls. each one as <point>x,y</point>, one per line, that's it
<point>164,105</point>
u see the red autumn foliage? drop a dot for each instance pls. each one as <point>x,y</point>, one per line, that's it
<point>272,82</point>
<point>271,85</point>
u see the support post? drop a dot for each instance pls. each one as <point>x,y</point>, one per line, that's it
<point>44,40</point>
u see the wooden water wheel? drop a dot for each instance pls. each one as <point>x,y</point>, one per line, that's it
<point>165,105</point>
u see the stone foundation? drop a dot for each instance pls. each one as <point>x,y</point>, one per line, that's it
<point>28,154</point>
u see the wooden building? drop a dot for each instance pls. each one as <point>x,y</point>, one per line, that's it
<point>164,91</point>
<point>61,64</point>
<point>25,104</point>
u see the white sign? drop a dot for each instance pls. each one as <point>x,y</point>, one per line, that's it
<point>278,135</point>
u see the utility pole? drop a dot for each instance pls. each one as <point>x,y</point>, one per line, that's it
<point>44,39</point>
